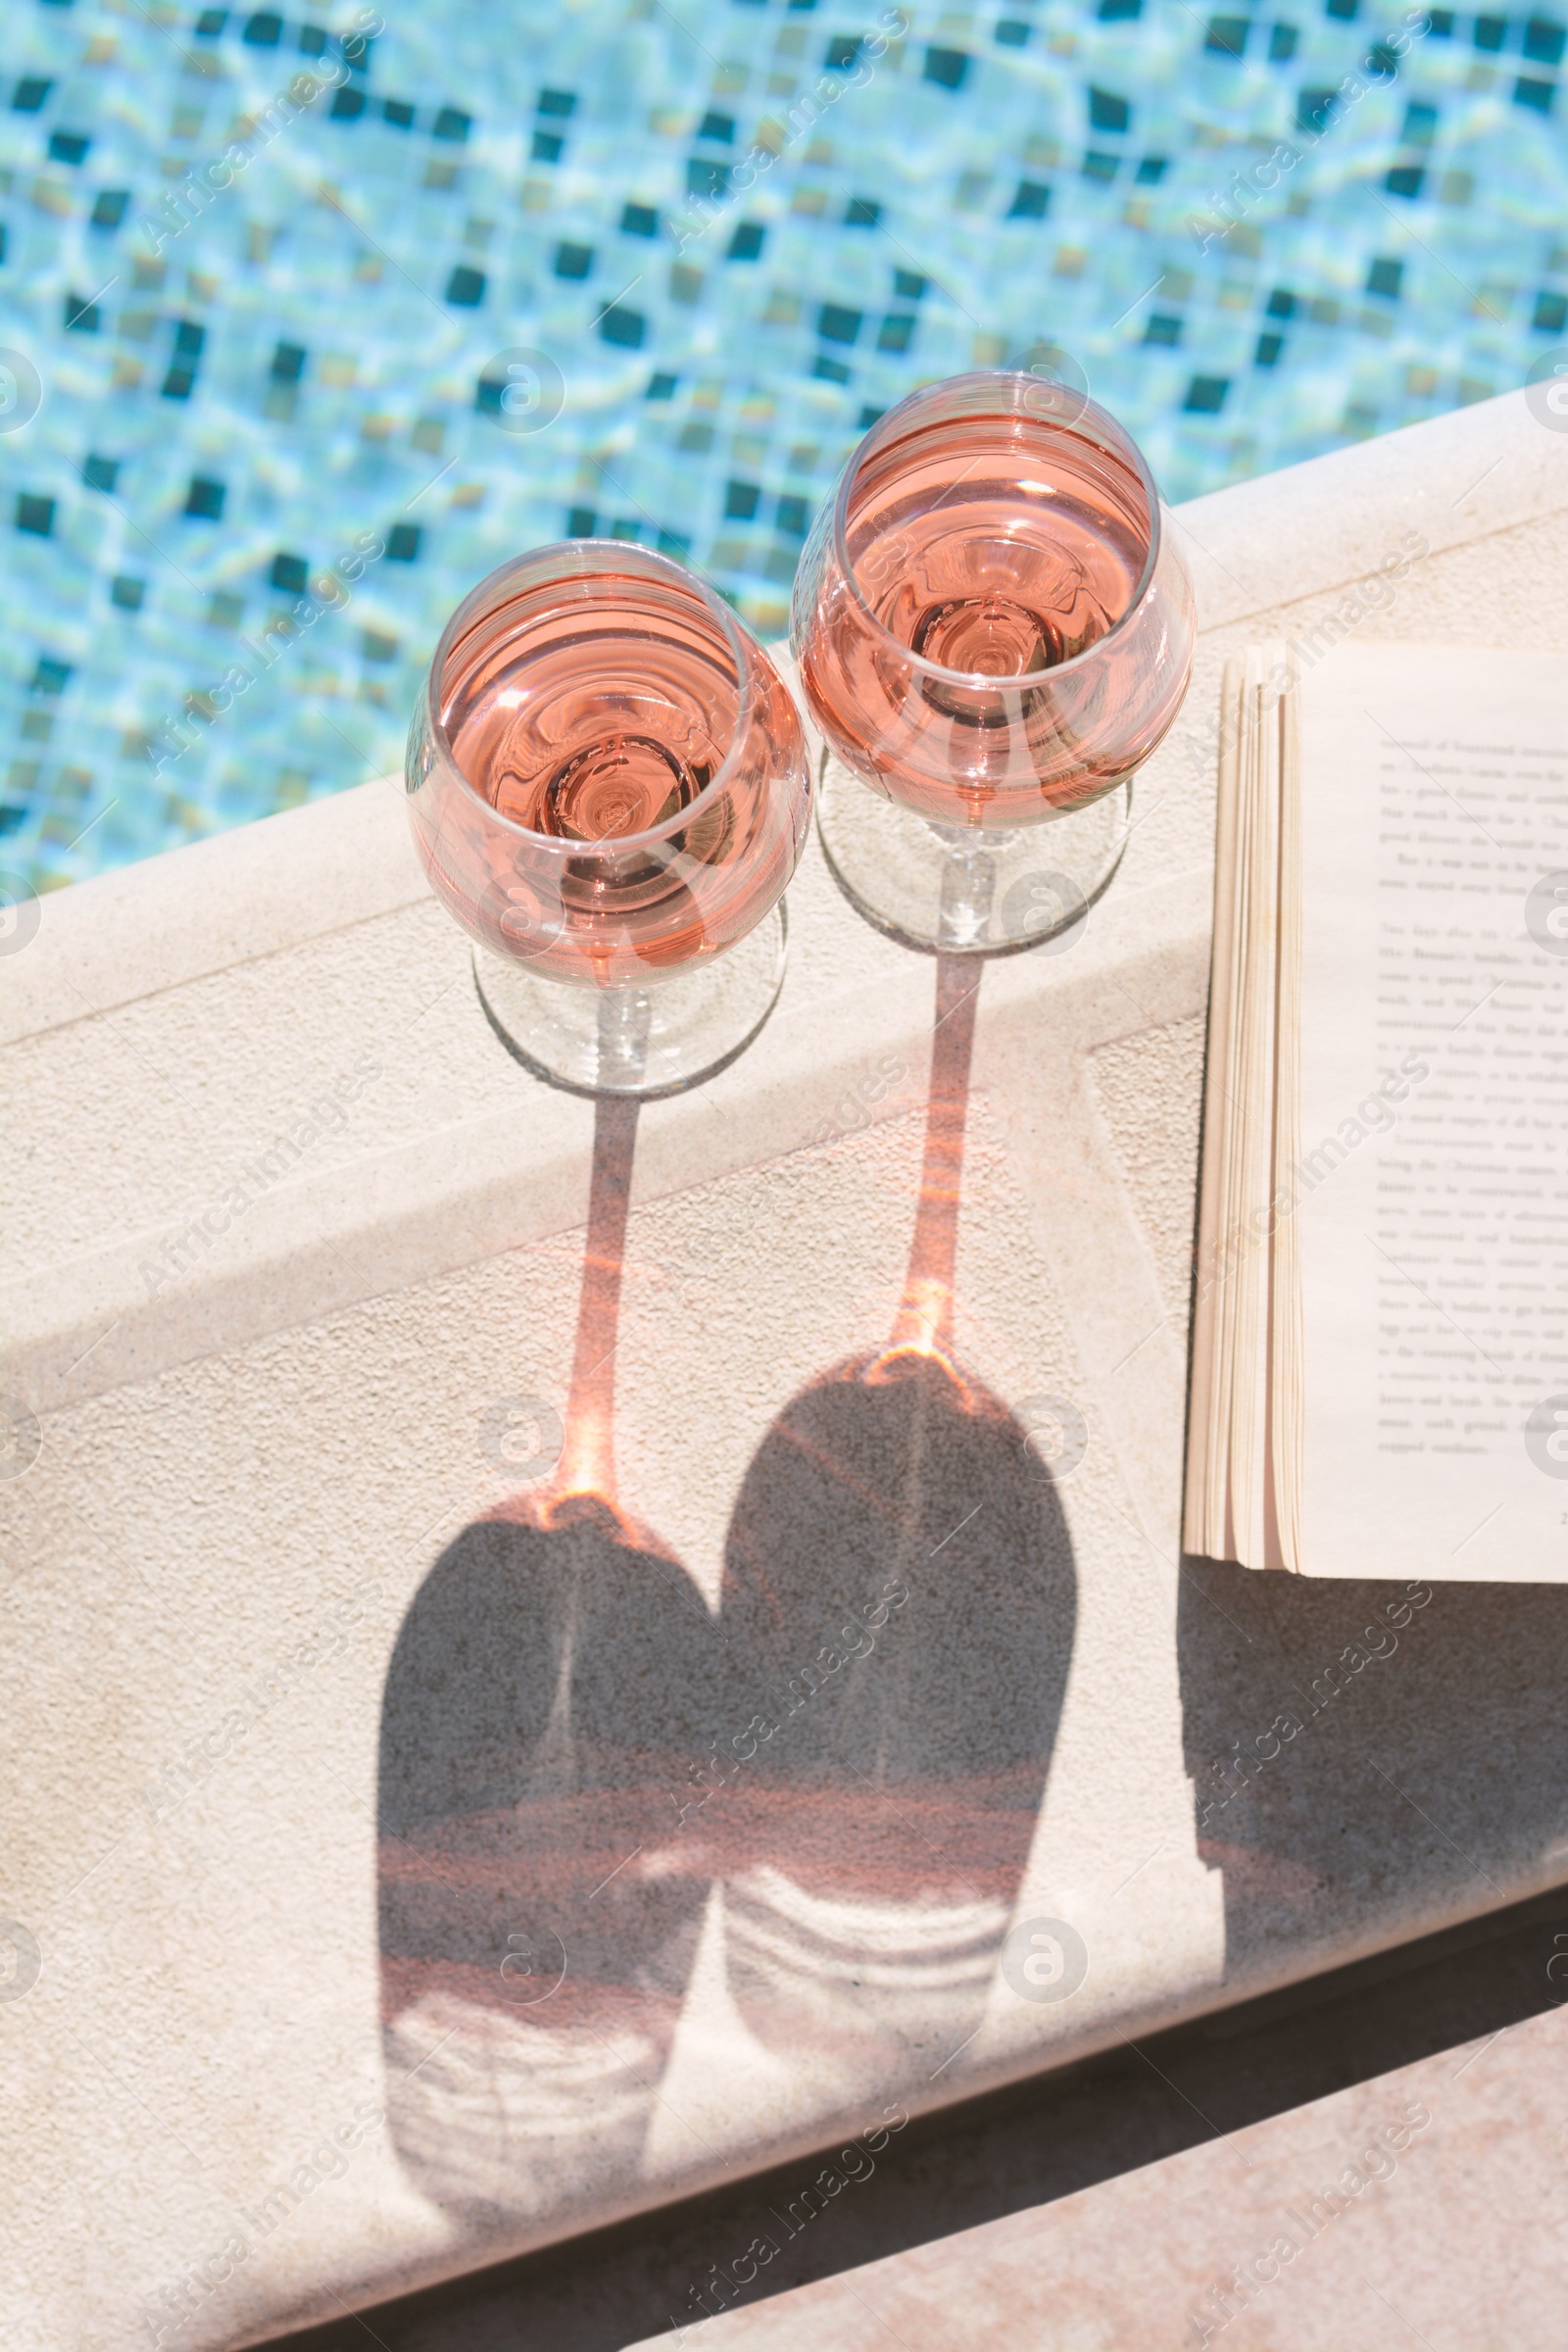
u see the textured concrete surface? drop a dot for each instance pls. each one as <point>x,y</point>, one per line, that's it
<point>1211,2080</point>
<point>294,1252</point>
<point>1428,2206</point>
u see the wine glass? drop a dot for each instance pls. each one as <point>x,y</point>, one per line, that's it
<point>994,630</point>
<point>609,789</point>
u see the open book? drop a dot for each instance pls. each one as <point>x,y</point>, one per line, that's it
<point>1380,1349</point>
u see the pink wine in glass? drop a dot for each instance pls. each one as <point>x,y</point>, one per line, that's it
<point>993,631</point>
<point>609,790</point>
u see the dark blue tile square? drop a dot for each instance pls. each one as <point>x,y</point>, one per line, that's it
<point>289,572</point>
<point>836,324</point>
<point>100,473</point>
<point>829,371</point>
<point>1227,35</point>
<point>189,336</point>
<point>263,30</point>
<point>1152,169</point>
<point>1100,166</point>
<point>1530,90</point>
<point>581,523</point>
<point>1164,329</point>
<point>638,220</point>
<point>1550,315</point>
<point>627,327</point>
<point>204,499</point>
<point>661,387</point>
<point>1404,180</point>
<point>547,147</point>
<point>1108,112</point>
<point>740,501</point>
<point>1282,40</point>
<point>747,243</point>
<point>109,207</point>
<point>452,125</point>
<point>561,104</point>
<point>706,177</point>
<point>718,128</point>
<point>178,383</point>
<point>49,676</point>
<point>1314,108</point>
<point>1011,34</point>
<point>792,515</point>
<point>288,363</point>
<point>841,53</point>
<point>79,317</point>
<point>1281,304</point>
<point>572,261</point>
<point>1031,201</point>
<point>895,331</point>
<point>67,146</point>
<point>1385,278</point>
<point>35,514</point>
<point>210,24</point>
<point>861,212</point>
<point>312,40</point>
<point>1491,32</point>
<point>348,104</point>
<point>402,543</point>
<point>1205,395</point>
<point>128,593</point>
<point>1268,351</point>
<point>29,94</point>
<point>947,67</point>
<point>466,288</point>
<point>398,112</point>
<point>1543,41</point>
<point>907,285</point>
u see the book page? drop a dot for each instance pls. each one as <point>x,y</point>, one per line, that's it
<point>1432,1188</point>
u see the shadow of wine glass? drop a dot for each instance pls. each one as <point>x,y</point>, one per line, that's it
<point>900,1575</point>
<point>899,1579</point>
<point>553,1680</point>
<point>573,1748</point>
<point>538,1915</point>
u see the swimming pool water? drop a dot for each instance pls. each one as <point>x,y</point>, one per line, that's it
<point>333,348</point>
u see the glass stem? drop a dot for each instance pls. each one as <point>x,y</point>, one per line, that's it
<point>969,882</point>
<point>625,1017</point>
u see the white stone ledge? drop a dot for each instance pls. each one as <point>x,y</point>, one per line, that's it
<point>251,1466</point>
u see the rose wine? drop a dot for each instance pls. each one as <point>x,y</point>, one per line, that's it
<point>998,554</point>
<point>976,559</point>
<point>633,753</point>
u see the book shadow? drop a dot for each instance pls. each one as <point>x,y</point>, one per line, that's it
<point>1425,1773</point>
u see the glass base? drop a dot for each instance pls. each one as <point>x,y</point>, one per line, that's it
<point>653,1037</point>
<point>955,890</point>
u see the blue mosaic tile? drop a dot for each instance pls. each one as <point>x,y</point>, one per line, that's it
<point>331,315</point>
